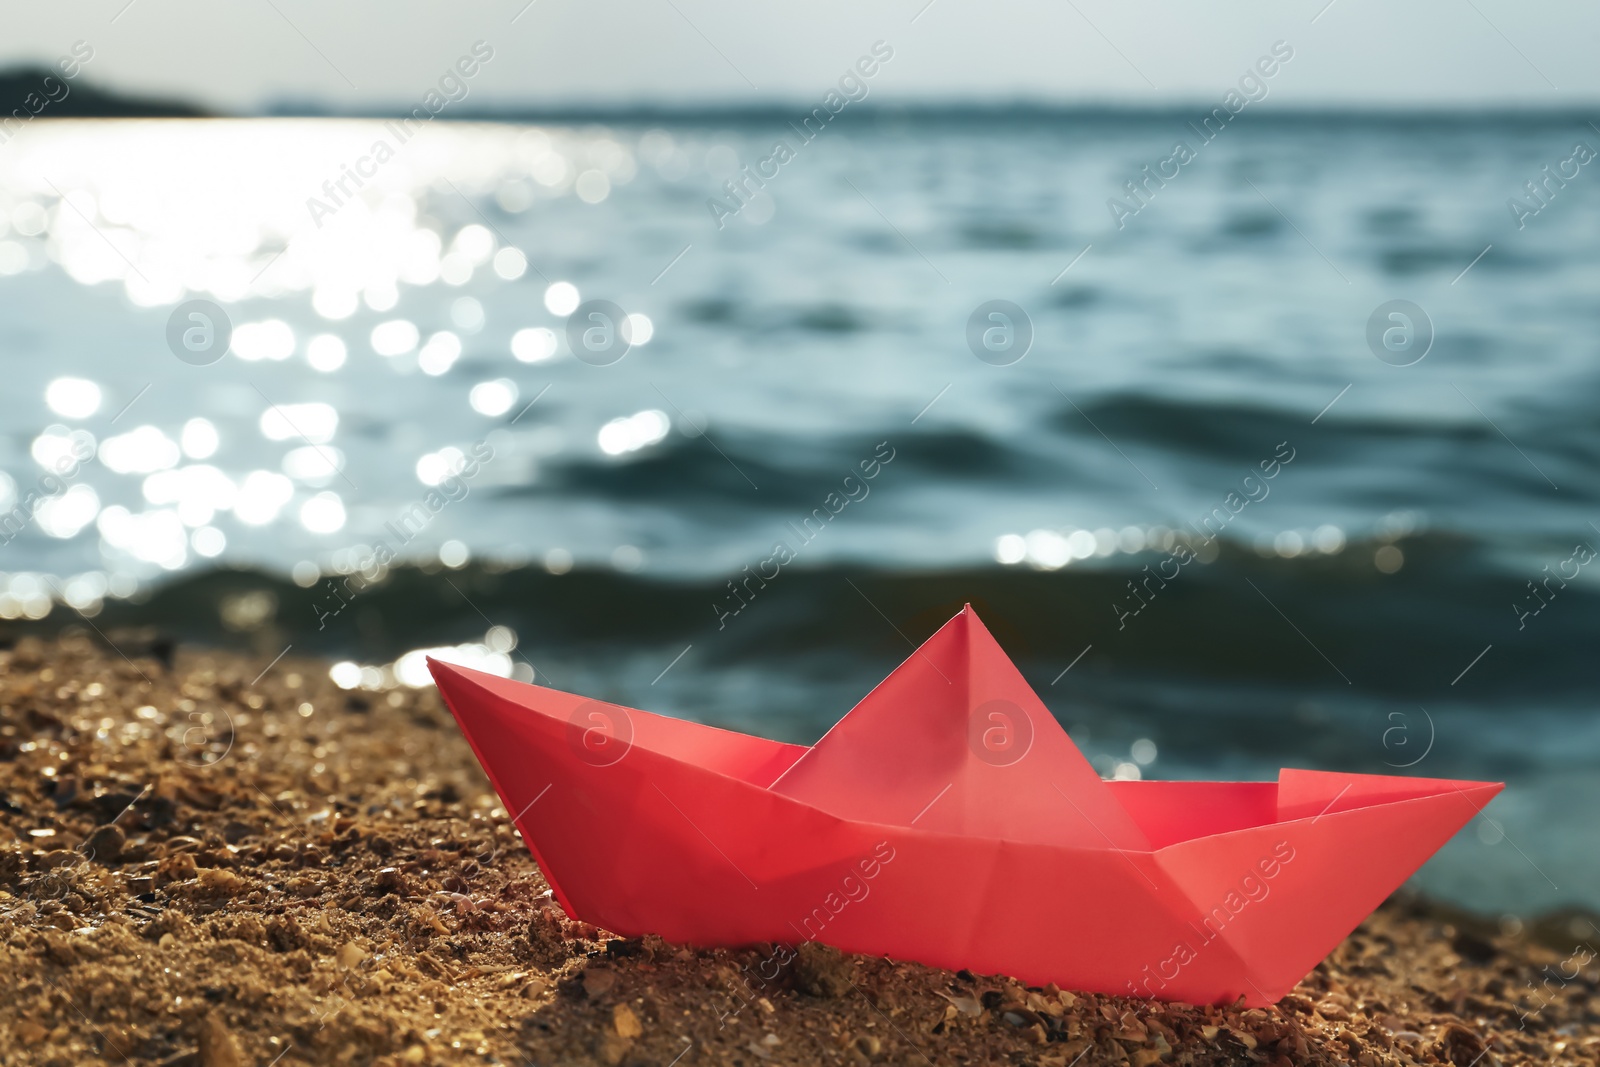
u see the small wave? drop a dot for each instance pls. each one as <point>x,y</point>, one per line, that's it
<point>790,471</point>
<point>1006,235</point>
<point>830,318</point>
<point>1329,622</point>
<point>1251,224</point>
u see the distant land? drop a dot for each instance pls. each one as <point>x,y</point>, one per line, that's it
<point>82,100</point>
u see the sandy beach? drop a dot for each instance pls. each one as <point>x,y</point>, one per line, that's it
<point>203,866</point>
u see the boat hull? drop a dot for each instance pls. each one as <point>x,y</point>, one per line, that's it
<point>646,825</point>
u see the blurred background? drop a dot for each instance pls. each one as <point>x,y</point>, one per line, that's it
<point>1238,366</point>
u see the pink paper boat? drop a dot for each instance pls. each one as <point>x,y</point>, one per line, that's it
<point>948,819</point>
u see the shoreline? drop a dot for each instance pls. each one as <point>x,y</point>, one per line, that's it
<point>203,866</point>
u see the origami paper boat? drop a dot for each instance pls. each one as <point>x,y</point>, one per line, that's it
<point>948,819</point>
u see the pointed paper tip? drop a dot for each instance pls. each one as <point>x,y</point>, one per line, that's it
<point>444,672</point>
<point>971,622</point>
<point>1487,790</point>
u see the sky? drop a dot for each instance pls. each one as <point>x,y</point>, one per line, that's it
<point>359,54</point>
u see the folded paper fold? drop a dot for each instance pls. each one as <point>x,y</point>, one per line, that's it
<point>956,740</point>
<point>949,819</point>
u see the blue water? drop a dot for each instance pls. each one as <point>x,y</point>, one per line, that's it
<point>1367,607</point>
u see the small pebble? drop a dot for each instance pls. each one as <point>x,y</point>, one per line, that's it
<point>105,844</point>
<point>217,1046</point>
<point>625,1022</point>
<point>598,981</point>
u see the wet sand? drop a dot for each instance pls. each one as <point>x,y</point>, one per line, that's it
<point>200,866</point>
